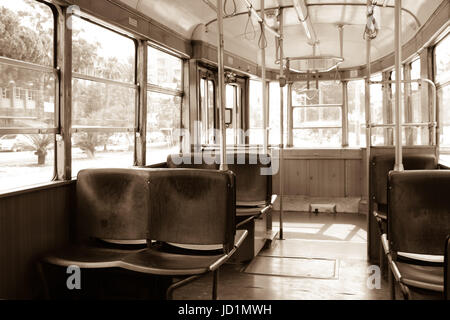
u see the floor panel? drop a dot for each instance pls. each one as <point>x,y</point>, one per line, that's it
<point>340,238</point>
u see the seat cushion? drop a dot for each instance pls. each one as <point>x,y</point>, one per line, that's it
<point>424,277</point>
<point>89,257</point>
<point>153,261</point>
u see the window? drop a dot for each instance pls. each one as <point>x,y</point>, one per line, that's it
<point>274,113</point>
<point>356,114</point>
<point>103,97</point>
<point>256,125</point>
<point>26,156</point>
<point>317,114</point>
<point>233,103</point>
<point>164,98</point>
<point>442,80</point>
<point>414,110</point>
<point>207,111</point>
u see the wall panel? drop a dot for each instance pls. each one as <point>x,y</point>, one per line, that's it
<point>31,223</point>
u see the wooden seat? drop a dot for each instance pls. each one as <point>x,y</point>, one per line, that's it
<point>418,224</point>
<point>111,219</point>
<point>188,207</point>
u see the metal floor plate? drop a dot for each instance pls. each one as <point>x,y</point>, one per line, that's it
<point>294,267</point>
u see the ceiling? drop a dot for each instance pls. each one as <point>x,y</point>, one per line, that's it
<point>189,17</point>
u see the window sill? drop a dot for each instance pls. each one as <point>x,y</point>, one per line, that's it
<point>34,188</point>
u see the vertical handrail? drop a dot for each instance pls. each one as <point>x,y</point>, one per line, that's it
<point>263,79</point>
<point>398,90</point>
<point>282,85</point>
<point>367,111</point>
<point>221,84</point>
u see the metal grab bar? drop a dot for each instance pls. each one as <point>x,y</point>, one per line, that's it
<point>413,124</point>
<point>433,124</point>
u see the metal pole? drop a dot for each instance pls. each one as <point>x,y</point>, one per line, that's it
<point>398,90</point>
<point>282,85</point>
<point>263,76</point>
<point>368,136</point>
<point>221,89</point>
<point>344,114</point>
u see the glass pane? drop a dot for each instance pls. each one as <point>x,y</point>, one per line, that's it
<point>302,95</point>
<point>102,105</point>
<point>317,138</point>
<point>330,92</point>
<point>356,113</point>
<point>317,117</point>
<point>415,74</point>
<point>230,102</point>
<point>442,55</point>
<point>256,109</point>
<point>26,31</point>
<point>256,132</point>
<point>163,118</point>
<point>102,53</point>
<point>376,100</point>
<point>27,98</point>
<point>274,113</point>
<point>211,109</point>
<point>444,118</point>
<point>101,150</point>
<point>26,160</point>
<point>164,70</point>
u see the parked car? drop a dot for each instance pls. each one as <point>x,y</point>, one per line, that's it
<point>15,143</point>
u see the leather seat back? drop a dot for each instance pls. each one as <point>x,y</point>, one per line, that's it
<point>192,206</point>
<point>112,204</point>
<point>253,187</point>
<point>419,211</point>
<point>381,165</point>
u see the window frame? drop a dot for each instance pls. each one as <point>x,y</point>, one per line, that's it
<point>340,127</point>
<point>53,70</point>
<point>153,88</point>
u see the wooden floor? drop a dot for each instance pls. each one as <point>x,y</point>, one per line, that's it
<point>309,239</point>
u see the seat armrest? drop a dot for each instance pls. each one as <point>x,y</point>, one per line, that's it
<point>379,215</point>
<point>245,221</point>
<point>240,237</point>
<point>238,240</point>
<point>422,257</point>
<point>266,209</point>
<point>385,243</point>
<point>273,199</point>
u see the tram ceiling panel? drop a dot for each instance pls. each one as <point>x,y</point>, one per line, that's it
<point>185,17</point>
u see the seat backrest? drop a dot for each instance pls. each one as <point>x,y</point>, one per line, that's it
<point>192,206</point>
<point>193,161</point>
<point>419,211</point>
<point>447,269</point>
<point>381,165</point>
<point>112,204</point>
<point>252,186</point>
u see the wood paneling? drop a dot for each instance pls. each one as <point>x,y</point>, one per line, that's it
<point>353,178</point>
<point>322,173</point>
<point>31,224</point>
<point>327,178</point>
<point>296,177</point>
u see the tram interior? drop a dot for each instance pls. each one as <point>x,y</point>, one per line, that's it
<point>224,149</point>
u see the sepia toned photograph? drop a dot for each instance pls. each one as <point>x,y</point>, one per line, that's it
<point>234,157</point>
